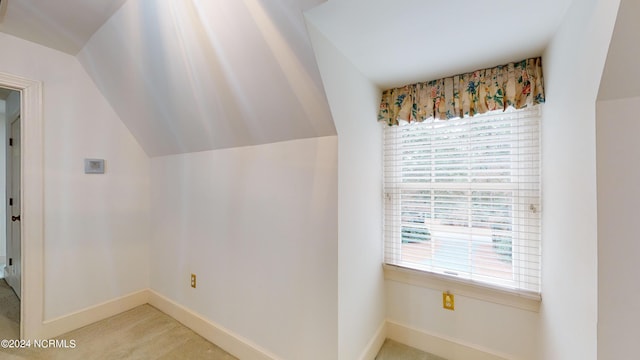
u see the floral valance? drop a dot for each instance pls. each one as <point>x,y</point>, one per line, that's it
<point>516,84</point>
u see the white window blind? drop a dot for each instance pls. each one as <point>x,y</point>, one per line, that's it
<point>462,198</point>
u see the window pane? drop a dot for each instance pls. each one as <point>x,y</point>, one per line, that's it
<point>462,198</point>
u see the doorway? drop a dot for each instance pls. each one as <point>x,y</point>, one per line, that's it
<point>32,325</point>
<point>10,229</point>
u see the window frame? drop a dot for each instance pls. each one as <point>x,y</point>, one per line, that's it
<point>396,270</point>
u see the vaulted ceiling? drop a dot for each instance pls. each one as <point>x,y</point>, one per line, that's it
<point>65,25</point>
<point>193,75</point>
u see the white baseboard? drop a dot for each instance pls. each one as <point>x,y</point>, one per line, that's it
<point>374,345</point>
<point>447,348</point>
<point>58,326</point>
<point>244,349</point>
<point>228,341</point>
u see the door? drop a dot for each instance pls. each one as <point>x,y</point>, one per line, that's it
<point>14,246</point>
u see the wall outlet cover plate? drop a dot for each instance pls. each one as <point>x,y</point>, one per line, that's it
<point>448,301</point>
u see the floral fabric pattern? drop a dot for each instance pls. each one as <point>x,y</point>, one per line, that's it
<point>515,85</point>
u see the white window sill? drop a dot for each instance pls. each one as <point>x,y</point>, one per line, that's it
<point>462,287</point>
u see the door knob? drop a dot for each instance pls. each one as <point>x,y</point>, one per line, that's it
<point>15,218</point>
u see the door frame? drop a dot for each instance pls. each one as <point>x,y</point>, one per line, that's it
<point>32,202</point>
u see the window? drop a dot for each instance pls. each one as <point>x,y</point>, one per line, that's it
<point>462,198</point>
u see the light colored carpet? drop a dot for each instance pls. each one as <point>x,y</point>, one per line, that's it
<point>9,312</point>
<point>141,333</point>
<point>392,350</point>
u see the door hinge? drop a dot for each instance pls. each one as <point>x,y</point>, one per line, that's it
<point>10,261</point>
<point>10,141</point>
<point>10,201</point>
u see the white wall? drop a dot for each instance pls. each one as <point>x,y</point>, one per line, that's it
<point>12,111</point>
<point>354,101</point>
<point>489,327</point>
<point>258,226</point>
<point>618,153</point>
<point>96,226</point>
<point>573,65</point>
<point>12,105</point>
<point>621,75</point>
<point>565,328</point>
<point>3,210</point>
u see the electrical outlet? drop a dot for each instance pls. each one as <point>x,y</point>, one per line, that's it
<point>193,281</point>
<point>448,301</point>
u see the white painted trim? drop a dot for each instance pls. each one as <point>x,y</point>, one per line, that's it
<point>224,338</point>
<point>244,349</point>
<point>227,340</point>
<point>84,317</point>
<point>373,347</point>
<point>32,195</point>
<point>483,292</point>
<point>438,345</point>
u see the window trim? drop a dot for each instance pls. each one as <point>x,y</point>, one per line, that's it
<point>520,299</point>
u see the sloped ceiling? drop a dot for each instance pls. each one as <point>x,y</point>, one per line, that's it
<point>396,42</point>
<point>621,76</point>
<point>188,76</point>
<point>65,25</point>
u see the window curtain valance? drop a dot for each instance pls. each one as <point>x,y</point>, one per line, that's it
<point>516,84</point>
